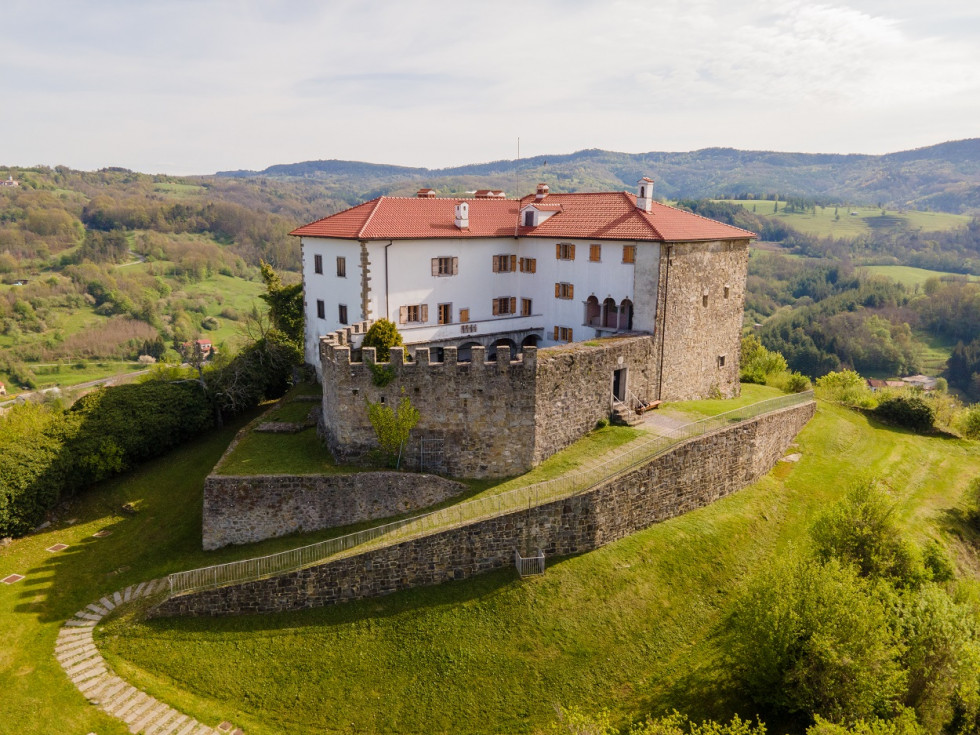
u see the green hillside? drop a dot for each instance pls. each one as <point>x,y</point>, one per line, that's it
<point>632,627</point>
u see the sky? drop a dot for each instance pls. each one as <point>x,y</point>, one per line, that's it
<point>198,86</point>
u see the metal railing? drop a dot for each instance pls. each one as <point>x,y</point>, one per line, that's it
<point>528,565</point>
<point>615,463</point>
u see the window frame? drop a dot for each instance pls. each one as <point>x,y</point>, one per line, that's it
<point>321,309</point>
<point>629,254</point>
<point>342,313</point>
<point>318,264</point>
<point>444,313</point>
<point>564,251</point>
<point>341,266</point>
<point>595,253</point>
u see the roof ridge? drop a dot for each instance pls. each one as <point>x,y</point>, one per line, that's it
<point>375,208</point>
<point>631,198</point>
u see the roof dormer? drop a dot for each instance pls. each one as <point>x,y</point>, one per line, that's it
<point>534,214</point>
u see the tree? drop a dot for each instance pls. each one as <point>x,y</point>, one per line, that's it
<point>285,305</point>
<point>393,426</point>
<point>382,335</point>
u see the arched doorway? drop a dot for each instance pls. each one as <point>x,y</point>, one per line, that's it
<point>464,353</point>
<point>610,314</point>
<point>503,342</point>
<point>593,312</point>
<point>531,340</point>
<point>626,315</point>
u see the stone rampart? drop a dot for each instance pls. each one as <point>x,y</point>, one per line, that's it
<point>245,509</point>
<point>693,474</point>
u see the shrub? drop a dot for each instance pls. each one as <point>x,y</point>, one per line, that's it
<point>210,323</point>
<point>393,426</point>
<point>757,363</point>
<point>971,421</point>
<point>861,530</point>
<point>382,336</point>
<point>797,383</point>
<point>810,638</point>
<point>846,387</point>
<point>908,411</point>
<point>904,724</point>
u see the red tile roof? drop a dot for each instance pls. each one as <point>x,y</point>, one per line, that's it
<point>588,216</point>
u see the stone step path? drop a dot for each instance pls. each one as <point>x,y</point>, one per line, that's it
<point>75,650</point>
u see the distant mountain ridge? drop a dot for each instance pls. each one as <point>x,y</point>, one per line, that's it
<point>944,177</point>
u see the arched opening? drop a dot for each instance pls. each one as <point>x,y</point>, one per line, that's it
<point>502,342</point>
<point>610,314</point>
<point>531,340</point>
<point>626,315</point>
<point>593,312</point>
<point>464,353</point>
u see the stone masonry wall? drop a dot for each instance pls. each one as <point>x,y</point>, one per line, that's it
<point>692,475</point>
<point>575,384</point>
<point>495,419</point>
<point>692,335</point>
<point>242,510</point>
<point>482,411</point>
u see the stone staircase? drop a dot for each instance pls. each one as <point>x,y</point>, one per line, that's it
<point>91,675</point>
<point>623,415</point>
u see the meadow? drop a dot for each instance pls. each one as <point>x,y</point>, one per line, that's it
<point>632,627</point>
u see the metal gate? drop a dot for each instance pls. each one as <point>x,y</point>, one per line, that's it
<point>432,457</point>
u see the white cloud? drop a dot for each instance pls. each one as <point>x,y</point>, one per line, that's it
<point>196,86</point>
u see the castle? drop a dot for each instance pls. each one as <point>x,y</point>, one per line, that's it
<point>634,301</point>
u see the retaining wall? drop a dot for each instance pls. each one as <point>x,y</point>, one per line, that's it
<point>689,476</point>
<point>245,509</point>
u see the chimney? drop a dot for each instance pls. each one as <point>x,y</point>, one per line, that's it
<point>426,194</point>
<point>542,192</point>
<point>644,197</point>
<point>462,220</point>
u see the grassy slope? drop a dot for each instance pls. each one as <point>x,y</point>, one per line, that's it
<point>630,626</point>
<point>909,276</point>
<point>824,224</point>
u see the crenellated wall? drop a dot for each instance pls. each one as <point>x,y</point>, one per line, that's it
<point>487,419</point>
<point>691,475</point>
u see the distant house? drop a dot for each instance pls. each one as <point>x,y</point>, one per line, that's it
<point>3,389</point>
<point>921,381</point>
<point>875,384</point>
<point>202,346</point>
<point>10,182</point>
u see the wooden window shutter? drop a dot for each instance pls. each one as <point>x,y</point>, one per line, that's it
<point>496,307</point>
<point>513,304</point>
<point>571,290</point>
<point>455,266</point>
<point>556,334</point>
<point>495,264</point>
<point>424,311</point>
<point>557,290</point>
<point>402,314</point>
<point>534,265</point>
<point>571,251</point>
<point>513,263</point>
<point>435,266</point>
<point>558,250</point>
<point>570,335</point>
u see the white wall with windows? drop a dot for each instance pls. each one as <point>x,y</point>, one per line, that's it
<point>425,286</point>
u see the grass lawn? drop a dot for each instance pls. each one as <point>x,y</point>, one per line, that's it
<point>824,223</point>
<point>907,275</point>
<point>631,626</point>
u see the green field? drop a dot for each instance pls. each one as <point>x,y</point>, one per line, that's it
<point>909,276</point>
<point>630,626</point>
<point>850,221</point>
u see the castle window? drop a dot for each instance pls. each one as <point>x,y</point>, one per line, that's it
<point>341,266</point>
<point>704,298</point>
<point>529,265</point>
<point>342,313</point>
<point>504,263</point>
<point>564,291</point>
<point>727,289</point>
<point>565,251</point>
<point>525,307</point>
<point>629,253</point>
<point>321,310</point>
<point>445,313</point>
<point>595,253</point>
<point>721,361</point>
<point>504,305</point>
<point>318,264</point>
<point>563,334</point>
<point>445,266</point>
<point>464,315</point>
<point>414,313</point>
